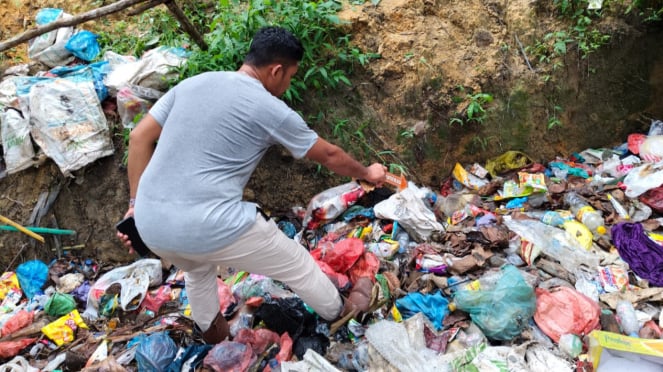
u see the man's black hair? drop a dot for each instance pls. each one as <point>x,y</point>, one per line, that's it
<point>274,44</point>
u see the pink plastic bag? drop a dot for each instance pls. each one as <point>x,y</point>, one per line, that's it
<point>564,310</point>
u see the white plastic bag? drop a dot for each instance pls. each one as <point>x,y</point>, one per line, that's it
<point>67,121</point>
<point>408,208</point>
<point>152,70</point>
<point>18,364</point>
<point>49,48</point>
<point>16,143</point>
<point>643,178</point>
<point>134,281</point>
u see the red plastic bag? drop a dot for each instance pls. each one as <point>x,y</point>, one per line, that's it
<point>366,266</point>
<point>259,339</point>
<point>9,349</point>
<point>154,299</point>
<point>340,281</point>
<point>654,199</point>
<point>564,310</point>
<point>342,256</point>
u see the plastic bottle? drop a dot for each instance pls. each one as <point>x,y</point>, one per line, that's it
<point>627,318</point>
<point>584,212</point>
<point>403,240</point>
<point>621,211</point>
<point>552,218</point>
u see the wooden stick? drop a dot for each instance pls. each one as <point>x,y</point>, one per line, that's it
<point>83,17</point>
<point>186,24</point>
<point>20,228</point>
<point>522,50</point>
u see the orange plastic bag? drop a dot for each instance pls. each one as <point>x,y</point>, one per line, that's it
<point>564,310</point>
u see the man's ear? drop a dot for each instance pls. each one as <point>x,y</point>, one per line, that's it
<point>274,70</point>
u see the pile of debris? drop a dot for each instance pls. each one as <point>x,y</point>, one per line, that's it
<point>508,266</point>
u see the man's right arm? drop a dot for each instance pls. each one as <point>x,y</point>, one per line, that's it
<point>340,162</point>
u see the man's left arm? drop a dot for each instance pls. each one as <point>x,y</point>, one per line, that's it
<point>340,162</point>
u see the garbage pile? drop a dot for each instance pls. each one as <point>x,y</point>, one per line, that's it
<point>508,266</point>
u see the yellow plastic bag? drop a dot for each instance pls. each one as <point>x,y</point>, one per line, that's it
<point>580,233</point>
<point>508,161</point>
<point>8,282</point>
<point>63,330</point>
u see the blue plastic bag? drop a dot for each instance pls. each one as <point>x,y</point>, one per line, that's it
<point>94,71</point>
<point>501,312</point>
<point>155,352</point>
<point>32,276</point>
<point>434,306</point>
<point>83,45</point>
<point>47,15</point>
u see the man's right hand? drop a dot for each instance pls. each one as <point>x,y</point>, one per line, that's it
<point>376,174</point>
<point>124,238</point>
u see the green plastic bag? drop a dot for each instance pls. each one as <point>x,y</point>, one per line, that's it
<point>60,304</point>
<point>510,160</point>
<point>503,311</point>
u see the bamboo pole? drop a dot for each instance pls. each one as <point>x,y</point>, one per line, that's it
<point>22,229</point>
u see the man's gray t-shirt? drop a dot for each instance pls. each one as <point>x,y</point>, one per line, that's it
<point>216,128</point>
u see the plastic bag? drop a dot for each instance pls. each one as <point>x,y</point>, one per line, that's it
<point>133,102</point>
<point>63,330</point>
<point>19,320</point>
<point>508,161</point>
<point>152,70</point>
<point>230,356</point>
<point>18,364</point>
<point>564,310</point>
<point>330,203</point>
<point>433,306</point>
<point>32,275</point>
<point>60,304</point>
<point>501,312</point>
<point>9,349</point>
<point>408,208</point>
<point>83,45</point>
<point>8,282</point>
<point>49,48</point>
<point>98,71</point>
<point>643,178</point>
<point>17,146</point>
<point>155,352</point>
<point>134,281</point>
<point>654,199</point>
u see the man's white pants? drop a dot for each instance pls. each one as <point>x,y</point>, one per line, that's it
<point>263,249</point>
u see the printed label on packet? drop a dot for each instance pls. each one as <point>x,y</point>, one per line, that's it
<point>613,278</point>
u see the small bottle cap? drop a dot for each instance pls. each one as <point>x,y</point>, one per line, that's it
<point>601,230</point>
<point>452,307</point>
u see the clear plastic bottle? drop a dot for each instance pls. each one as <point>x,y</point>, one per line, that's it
<point>551,218</point>
<point>627,318</point>
<point>403,240</point>
<point>586,214</point>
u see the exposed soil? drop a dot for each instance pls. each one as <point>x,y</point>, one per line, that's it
<point>429,50</point>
